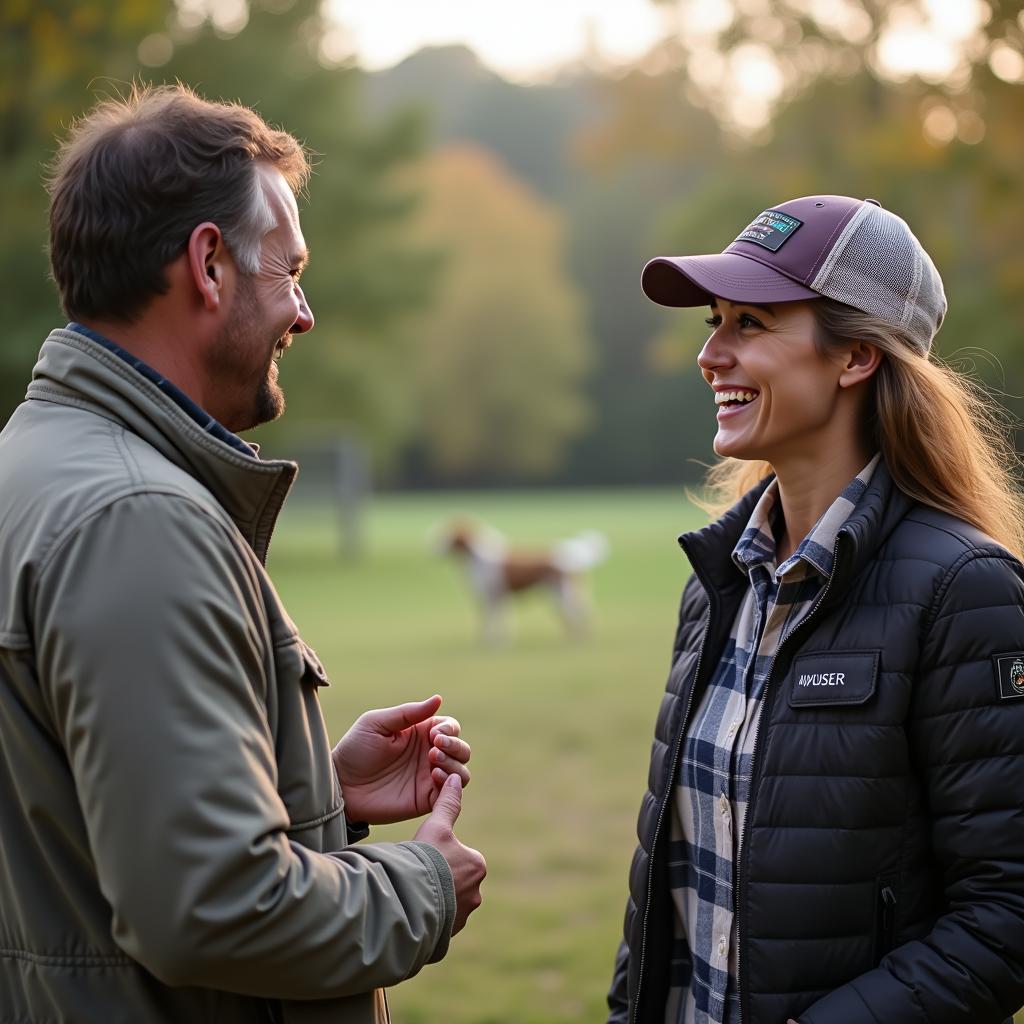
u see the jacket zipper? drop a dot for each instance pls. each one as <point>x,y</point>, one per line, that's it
<point>886,919</point>
<point>661,813</point>
<point>765,709</point>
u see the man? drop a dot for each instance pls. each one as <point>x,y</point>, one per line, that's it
<point>174,827</point>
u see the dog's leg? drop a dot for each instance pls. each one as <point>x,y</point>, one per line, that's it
<point>494,632</point>
<point>573,605</point>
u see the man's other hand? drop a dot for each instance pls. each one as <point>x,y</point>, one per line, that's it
<point>468,865</point>
<point>393,762</point>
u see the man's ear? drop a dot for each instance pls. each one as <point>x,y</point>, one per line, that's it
<point>860,362</point>
<point>208,264</point>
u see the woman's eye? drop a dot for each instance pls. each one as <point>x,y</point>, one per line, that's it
<point>746,320</point>
<point>714,321</point>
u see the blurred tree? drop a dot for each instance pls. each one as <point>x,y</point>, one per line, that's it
<point>629,180</point>
<point>350,376</point>
<point>502,355</point>
<point>943,159</point>
<point>51,53</point>
<point>526,126</point>
<point>554,138</point>
<point>745,58</point>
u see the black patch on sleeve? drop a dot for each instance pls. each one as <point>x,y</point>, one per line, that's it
<point>1009,675</point>
<point>833,679</point>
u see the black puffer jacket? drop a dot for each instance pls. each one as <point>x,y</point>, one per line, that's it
<point>881,879</point>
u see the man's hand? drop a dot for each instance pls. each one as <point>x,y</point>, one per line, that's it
<point>393,762</point>
<point>468,865</point>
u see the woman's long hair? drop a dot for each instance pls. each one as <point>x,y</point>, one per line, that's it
<point>946,441</point>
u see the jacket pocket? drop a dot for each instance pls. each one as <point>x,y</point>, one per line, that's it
<point>306,778</point>
<point>313,669</point>
<point>885,916</point>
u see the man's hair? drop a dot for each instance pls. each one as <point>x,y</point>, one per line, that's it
<point>136,175</point>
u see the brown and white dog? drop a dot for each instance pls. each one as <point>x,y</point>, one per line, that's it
<point>496,572</point>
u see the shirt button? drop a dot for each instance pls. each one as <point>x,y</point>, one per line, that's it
<point>723,803</point>
<point>722,947</point>
<point>733,728</point>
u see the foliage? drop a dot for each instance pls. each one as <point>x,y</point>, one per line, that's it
<point>527,127</point>
<point>627,166</point>
<point>647,423</point>
<point>502,352</point>
<point>51,53</point>
<point>365,279</point>
<point>780,48</point>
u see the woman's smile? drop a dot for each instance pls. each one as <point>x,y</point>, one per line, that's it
<point>732,400</point>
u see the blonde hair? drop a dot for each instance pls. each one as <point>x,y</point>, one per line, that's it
<point>945,440</point>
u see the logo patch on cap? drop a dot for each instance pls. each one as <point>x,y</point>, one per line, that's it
<point>770,230</point>
<point>1010,675</point>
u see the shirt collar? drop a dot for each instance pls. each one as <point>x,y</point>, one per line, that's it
<point>200,415</point>
<point>757,544</point>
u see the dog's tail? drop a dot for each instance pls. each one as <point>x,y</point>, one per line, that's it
<point>580,553</point>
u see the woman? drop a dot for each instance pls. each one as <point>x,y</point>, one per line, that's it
<point>834,831</point>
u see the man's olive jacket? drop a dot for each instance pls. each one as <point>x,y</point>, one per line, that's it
<point>172,833</point>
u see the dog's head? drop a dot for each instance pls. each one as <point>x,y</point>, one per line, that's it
<point>459,539</point>
<point>464,537</point>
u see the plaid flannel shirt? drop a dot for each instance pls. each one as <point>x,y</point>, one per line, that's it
<point>713,780</point>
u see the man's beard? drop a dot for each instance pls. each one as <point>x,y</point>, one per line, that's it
<point>232,358</point>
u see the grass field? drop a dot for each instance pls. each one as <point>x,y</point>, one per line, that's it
<point>560,729</point>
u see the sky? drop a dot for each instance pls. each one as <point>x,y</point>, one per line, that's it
<point>527,40</point>
<point>523,41</point>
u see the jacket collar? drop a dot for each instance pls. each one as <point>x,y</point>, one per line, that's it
<point>710,549</point>
<point>878,513</point>
<point>879,510</point>
<point>72,369</point>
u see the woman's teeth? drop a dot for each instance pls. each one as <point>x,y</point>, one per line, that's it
<point>723,397</point>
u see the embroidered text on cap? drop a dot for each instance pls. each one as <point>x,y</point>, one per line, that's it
<point>770,229</point>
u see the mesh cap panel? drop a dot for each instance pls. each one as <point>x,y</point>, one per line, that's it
<point>879,267</point>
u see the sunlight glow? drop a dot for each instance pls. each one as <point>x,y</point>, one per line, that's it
<point>934,40</point>
<point>1006,62</point>
<point>524,42</point>
<point>933,46</point>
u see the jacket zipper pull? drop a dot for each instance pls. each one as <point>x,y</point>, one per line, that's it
<point>888,916</point>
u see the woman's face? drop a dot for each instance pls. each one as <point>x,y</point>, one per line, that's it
<point>776,395</point>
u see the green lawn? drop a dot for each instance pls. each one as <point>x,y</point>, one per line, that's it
<point>560,729</point>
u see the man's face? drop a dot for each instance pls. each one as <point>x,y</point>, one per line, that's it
<point>268,307</point>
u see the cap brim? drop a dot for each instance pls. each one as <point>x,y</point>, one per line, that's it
<point>695,280</point>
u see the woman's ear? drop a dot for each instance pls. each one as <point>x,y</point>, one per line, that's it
<point>860,362</point>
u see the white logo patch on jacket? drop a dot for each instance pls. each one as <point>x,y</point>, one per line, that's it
<point>833,678</point>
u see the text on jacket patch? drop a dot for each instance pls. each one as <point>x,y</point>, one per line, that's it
<point>823,679</point>
<point>833,679</point>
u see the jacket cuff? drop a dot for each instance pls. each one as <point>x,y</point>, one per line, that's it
<point>446,886</point>
<point>356,831</point>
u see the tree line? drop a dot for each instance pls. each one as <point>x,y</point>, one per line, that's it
<point>477,244</point>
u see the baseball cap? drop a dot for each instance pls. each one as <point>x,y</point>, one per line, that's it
<point>850,250</point>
